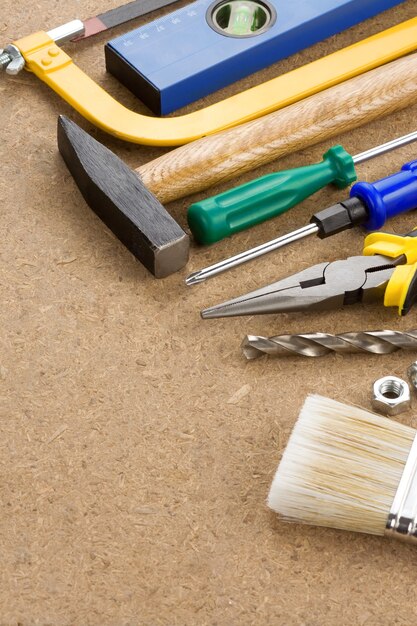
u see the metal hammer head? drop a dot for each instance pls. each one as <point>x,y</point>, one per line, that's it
<point>122,201</point>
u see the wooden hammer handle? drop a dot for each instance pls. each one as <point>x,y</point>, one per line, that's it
<point>217,158</point>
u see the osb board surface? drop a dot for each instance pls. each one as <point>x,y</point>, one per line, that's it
<point>137,446</point>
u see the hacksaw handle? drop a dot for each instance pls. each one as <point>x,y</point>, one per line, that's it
<point>221,157</point>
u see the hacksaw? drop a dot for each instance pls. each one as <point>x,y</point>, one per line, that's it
<point>42,56</point>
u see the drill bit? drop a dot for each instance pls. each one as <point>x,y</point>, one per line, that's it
<point>320,344</point>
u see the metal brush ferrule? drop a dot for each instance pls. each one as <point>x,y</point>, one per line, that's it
<point>402,518</point>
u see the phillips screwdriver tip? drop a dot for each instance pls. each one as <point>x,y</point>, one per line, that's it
<point>194,278</point>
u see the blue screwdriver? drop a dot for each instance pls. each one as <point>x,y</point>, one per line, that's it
<point>369,205</point>
<point>220,216</point>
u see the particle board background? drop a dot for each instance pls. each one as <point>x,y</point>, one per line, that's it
<point>137,446</point>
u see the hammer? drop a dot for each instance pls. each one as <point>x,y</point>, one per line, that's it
<point>130,202</point>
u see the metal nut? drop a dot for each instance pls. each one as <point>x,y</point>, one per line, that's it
<point>11,60</point>
<point>391,396</point>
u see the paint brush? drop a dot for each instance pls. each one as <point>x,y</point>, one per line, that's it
<point>350,469</point>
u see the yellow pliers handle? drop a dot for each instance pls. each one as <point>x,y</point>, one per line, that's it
<point>401,290</point>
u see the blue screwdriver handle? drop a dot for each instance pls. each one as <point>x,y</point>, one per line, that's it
<point>389,196</point>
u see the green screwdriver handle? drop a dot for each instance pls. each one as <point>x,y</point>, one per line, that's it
<point>263,198</point>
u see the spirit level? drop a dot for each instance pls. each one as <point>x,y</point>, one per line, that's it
<point>53,66</point>
<point>206,45</point>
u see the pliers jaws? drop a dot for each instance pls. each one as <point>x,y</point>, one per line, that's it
<point>320,287</point>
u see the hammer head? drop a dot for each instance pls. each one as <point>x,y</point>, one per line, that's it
<point>122,201</point>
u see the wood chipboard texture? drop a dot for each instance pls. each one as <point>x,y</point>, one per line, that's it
<point>137,445</point>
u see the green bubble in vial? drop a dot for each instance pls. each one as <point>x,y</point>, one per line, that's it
<point>242,17</point>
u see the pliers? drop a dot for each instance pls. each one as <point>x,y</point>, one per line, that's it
<point>386,271</point>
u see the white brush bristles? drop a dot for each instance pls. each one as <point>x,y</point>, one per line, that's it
<point>341,467</point>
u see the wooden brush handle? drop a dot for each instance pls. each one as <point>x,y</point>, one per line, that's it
<point>220,157</point>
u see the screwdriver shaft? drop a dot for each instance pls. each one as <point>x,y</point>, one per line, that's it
<point>320,344</point>
<point>236,209</point>
<point>370,204</point>
<point>249,255</point>
<point>384,148</point>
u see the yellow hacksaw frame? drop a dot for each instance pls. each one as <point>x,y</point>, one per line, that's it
<point>54,67</point>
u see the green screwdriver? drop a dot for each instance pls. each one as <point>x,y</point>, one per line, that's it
<point>261,199</point>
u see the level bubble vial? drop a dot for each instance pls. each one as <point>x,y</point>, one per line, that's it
<point>241,18</point>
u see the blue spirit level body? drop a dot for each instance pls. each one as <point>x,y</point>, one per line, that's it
<point>194,51</point>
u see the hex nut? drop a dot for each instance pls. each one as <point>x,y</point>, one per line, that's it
<point>391,396</point>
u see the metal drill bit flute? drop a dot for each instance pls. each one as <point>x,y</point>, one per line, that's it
<point>320,344</point>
